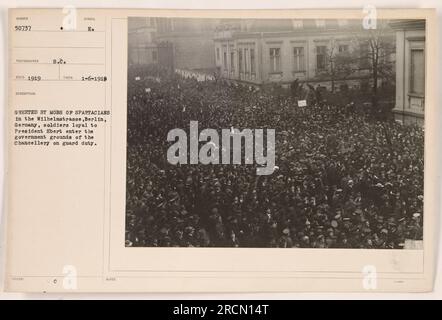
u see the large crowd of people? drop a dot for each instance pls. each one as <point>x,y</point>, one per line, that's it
<point>343,179</point>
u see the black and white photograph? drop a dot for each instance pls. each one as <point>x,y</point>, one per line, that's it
<point>275,133</point>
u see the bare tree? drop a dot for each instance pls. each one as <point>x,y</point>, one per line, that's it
<point>375,48</point>
<point>368,53</point>
<point>338,63</point>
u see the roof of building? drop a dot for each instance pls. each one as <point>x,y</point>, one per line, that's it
<point>281,25</point>
<point>408,24</point>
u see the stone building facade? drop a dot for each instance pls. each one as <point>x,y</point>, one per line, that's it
<point>142,49</point>
<point>266,51</point>
<point>410,71</point>
<point>178,43</point>
<point>192,42</point>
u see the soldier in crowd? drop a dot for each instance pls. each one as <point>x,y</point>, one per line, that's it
<point>343,180</point>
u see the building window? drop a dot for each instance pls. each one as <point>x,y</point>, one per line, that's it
<point>151,22</point>
<point>165,25</point>
<point>365,56</point>
<point>232,61</point>
<point>320,23</point>
<point>321,57</point>
<point>246,65</point>
<point>154,56</point>
<point>342,22</point>
<point>217,54</point>
<point>343,48</point>
<point>240,61</point>
<point>417,74</point>
<point>252,61</point>
<point>225,60</point>
<point>275,60</point>
<point>298,55</point>
<point>297,24</point>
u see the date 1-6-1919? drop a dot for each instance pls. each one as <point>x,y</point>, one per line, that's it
<point>92,78</point>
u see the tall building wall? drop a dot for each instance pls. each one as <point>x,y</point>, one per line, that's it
<point>141,46</point>
<point>275,58</point>
<point>193,52</point>
<point>192,41</point>
<point>410,71</point>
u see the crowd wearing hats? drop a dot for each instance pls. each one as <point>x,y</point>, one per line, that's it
<point>342,178</point>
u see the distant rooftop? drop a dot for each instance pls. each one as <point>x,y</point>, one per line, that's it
<point>282,25</point>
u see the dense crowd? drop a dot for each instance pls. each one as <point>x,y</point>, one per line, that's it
<point>343,179</point>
